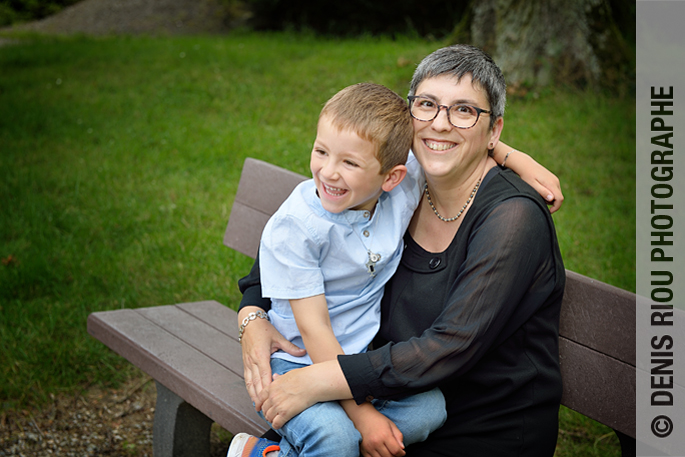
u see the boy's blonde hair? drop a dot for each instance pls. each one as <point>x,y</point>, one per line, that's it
<point>376,114</point>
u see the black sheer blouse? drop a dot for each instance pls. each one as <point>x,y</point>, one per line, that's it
<point>481,321</point>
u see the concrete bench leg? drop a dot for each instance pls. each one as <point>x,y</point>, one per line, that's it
<point>179,429</point>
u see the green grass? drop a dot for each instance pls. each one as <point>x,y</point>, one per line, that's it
<point>120,157</point>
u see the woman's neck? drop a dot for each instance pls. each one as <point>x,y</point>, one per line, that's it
<point>449,193</point>
<point>427,228</point>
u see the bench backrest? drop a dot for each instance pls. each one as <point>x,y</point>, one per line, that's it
<point>597,328</point>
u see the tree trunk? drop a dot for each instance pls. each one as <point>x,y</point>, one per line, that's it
<point>540,42</point>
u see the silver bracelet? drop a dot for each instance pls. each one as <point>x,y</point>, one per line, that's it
<point>506,157</point>
<point>250,317</point>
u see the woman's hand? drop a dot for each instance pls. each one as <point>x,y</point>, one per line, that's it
<point>260,340</point>
<point>286,397</point>
<point>290,394</point>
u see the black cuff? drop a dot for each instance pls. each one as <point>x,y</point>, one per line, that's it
<point>357,370</point>
<point>253,297</point>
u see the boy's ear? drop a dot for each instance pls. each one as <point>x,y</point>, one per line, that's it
<point>394,177</point>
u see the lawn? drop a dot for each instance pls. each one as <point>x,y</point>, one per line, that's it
<point>120,157</point>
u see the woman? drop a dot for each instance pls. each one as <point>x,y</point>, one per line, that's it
<point>474,306</point>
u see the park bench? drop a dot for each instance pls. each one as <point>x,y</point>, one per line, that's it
<point>191,350</point>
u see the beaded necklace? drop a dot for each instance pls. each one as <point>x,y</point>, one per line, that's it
<point>450,219</point>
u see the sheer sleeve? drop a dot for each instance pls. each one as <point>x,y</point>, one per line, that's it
<point>504,274</point>
<point>251,288</point>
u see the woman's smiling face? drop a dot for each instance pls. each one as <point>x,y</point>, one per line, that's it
<point>440,147</point>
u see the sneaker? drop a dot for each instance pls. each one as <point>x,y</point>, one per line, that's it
<point>244,445</point>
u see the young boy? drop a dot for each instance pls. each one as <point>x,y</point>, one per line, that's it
<point>325,257</point>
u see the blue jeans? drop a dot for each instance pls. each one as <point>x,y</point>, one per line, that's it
<point>325,430</point>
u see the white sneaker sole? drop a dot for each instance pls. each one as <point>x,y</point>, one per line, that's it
<point>237,445</point>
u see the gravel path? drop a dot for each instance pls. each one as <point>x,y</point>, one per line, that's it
<point>96,422</point>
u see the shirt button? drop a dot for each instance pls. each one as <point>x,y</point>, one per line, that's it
<point>366,214</point>
<point>434,263</point>
<point>366,233</point>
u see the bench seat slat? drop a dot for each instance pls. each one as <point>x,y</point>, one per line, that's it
<point>213,314</point>
<point>192,375</point>
<point>197,334</point>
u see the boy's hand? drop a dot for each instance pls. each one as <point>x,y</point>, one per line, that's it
<point>538,177</point>
<point>546,184</point>
<point>380,435</point>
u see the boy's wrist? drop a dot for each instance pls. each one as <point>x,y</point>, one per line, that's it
<point>356,412</point>
<point>506,157</point>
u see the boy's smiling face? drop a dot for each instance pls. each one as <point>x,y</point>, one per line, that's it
<point>345,169</point>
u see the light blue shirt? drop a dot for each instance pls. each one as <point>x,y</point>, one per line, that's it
<point>307,251</point>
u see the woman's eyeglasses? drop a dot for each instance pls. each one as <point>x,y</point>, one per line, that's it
<point>459,115</point>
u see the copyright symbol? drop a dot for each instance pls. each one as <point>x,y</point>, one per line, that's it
<point>662,426</point>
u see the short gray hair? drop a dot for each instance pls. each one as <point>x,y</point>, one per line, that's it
<point>460,60</point>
